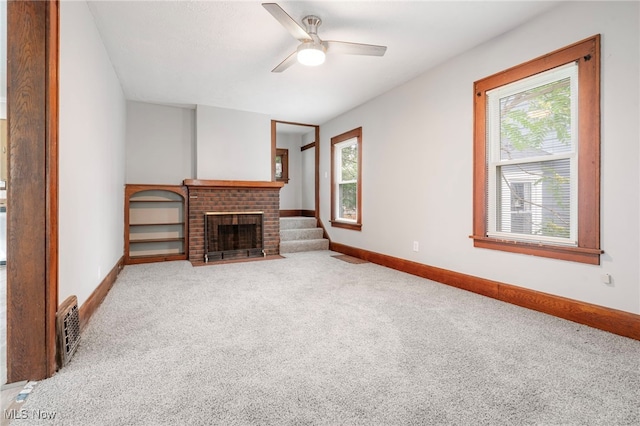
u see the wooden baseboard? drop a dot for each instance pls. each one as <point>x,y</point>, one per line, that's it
<point>293,213</point>
<point>90,306</point>
<point>325,234</point>
<point>600,317</point>
<point>290,213</point>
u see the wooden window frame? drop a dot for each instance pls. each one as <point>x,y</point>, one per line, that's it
<point>586,54</point>
<point>335,222</point>
<point>283,153</point>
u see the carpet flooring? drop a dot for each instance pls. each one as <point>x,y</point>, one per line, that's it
<point>312,340</point>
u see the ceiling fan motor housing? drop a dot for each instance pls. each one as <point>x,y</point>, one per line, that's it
<point>312,23</point>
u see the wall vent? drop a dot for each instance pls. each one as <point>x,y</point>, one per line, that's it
<point>68,326</point>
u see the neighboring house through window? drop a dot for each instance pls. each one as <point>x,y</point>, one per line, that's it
<point>537,156</point>
<point>520,218</point>
<point>346,182</point>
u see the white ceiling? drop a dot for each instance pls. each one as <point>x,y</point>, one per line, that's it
<point>221,53</point>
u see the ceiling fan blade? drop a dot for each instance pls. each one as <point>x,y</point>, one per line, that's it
<point>287,21</point>
<point>343,47</point>
<point>291,59</point>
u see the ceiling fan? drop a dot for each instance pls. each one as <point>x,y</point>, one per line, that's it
<point>312,49</point>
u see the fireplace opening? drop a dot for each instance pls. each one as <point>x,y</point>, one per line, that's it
<point>233,235</point>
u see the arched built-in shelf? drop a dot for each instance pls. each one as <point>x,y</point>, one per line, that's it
<point>155,223</point>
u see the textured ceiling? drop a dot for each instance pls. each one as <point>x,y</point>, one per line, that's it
<point>221,53</point>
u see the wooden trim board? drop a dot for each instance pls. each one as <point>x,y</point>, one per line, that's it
<point>308,146</point>
<point>232,183</point>
<point>612,320</point>
<point>32,196</point>
<point>90,306</point>
<point>294,213</point>
<point>290,213</point>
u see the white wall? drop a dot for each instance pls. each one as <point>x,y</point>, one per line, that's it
<point>160,147</point>
<point>417,161</point>
<point>232,145</point>
<point>308,160</point>
<point>91,156</point>
<point>291,192</point>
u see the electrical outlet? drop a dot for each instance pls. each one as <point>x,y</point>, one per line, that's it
<point>416,246</point>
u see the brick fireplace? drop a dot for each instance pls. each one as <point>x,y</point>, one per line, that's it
<point>223,196</point>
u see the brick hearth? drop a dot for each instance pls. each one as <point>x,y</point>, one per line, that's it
<point>232,196</point>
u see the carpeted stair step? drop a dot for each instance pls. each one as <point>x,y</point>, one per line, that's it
<point>297,222</point>
<point>301,234</point>
<point>296,246</point>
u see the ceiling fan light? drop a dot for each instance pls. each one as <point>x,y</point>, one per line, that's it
<point>311,54</point>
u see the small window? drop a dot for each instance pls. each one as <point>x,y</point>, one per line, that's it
<point>282,165</point>
<point>537,156</point>
<point>346,185</point>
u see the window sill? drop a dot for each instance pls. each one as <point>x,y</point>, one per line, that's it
<point>574,254</point>
<point>346,225</point>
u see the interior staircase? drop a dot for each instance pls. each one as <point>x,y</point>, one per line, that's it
<point>301,234</point>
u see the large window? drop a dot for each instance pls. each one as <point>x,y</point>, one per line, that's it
<point>346,185</point>
<point>537,156</point>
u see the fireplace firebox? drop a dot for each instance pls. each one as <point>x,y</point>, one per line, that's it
<point>233,235</point>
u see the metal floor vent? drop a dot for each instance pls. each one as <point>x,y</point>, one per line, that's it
<point>68,326</point>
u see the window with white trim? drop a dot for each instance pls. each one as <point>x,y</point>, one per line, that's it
<point>532,158</point>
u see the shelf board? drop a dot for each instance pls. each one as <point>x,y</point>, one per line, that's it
<point>144,258</point>
<point>156,240</point>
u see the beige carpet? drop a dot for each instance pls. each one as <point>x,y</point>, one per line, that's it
<point>313,340</point>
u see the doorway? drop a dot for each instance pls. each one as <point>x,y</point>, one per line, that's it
<point>295,149</point>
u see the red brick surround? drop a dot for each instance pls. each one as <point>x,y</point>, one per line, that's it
<point>232,196</point>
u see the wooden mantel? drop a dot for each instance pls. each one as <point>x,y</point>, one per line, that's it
<point>227,184</point>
